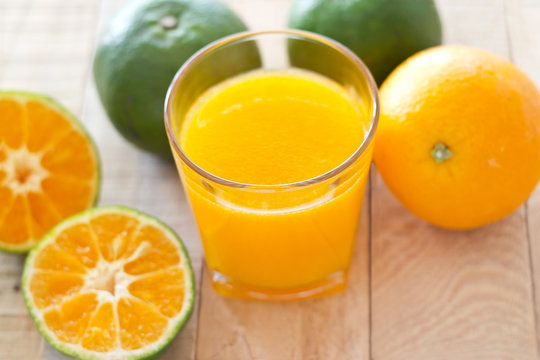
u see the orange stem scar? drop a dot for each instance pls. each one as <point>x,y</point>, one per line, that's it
<point>441,152</point>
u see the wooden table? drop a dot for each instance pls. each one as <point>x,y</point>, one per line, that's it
<point>416,292</point>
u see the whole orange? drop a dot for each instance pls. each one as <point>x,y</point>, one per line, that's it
<point>459,136</point>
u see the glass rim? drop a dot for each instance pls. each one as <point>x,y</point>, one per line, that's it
<point>173,89</point>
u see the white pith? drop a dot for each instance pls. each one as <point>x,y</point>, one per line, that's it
<point>23,169</point>
<point>109,278</point>
<point>96,282</point>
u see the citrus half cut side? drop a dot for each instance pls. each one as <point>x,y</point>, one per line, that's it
<point>49,168</point>
<point>109,283</point>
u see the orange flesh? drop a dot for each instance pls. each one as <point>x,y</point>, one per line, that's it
<point>276,127</point>
<point>273,127</point>
<point>83,283</point>
<point>48,170</point>
<point>102,331</point>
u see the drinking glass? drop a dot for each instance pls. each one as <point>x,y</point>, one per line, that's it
<point>275,242</point>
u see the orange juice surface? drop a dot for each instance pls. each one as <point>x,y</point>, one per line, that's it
<point>275,128</point>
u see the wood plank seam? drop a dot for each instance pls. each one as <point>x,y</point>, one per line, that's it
<point>465,314</point>
<point>506,5</point>
<point>370,227</point>
<point>82,108</point>
<point>100,4</point>
<point>199,307</point>
<point>533,284</point>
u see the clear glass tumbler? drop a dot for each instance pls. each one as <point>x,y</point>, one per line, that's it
<point>275,242</point>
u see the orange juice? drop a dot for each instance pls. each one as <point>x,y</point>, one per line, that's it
<point>276,128</point>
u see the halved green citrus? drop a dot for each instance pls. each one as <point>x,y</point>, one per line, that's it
<point>109,283</point>
<point>49,168</point>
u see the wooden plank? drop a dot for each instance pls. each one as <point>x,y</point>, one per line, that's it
<point>129,176</point>
<point>44,47</point>
<point>336,327</point>
<point>523,19</point>
<point>439,294</point>
<point>19,339</point>
<point>134,178</point>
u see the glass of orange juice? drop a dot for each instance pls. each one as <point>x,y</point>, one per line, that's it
<point>272,134</point>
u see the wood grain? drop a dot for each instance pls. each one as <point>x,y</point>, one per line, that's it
<point>51,44</point>
<point>44,47</point>
<point>440,294</point>
<point>523,18</point>
<point>133,178</point>
<point>448,295</point>
<point>435,294</point>
<point>335,327</point>
<point>332,328</point>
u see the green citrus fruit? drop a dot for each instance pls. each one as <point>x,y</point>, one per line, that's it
<point>382,33</point>
<point>109,283</point>
<point>139,53</point>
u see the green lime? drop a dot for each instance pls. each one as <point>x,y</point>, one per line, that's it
<point>140,51</point>
<point>382,33</point>
<point>109,283</point>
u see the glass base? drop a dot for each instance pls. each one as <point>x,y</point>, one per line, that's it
<point>225,286</point>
